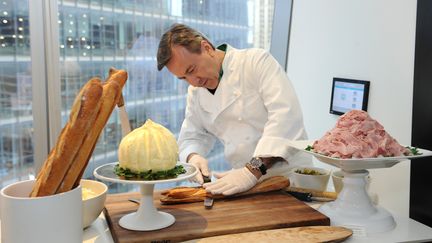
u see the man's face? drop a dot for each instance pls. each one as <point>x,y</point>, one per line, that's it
<point>199,70</point>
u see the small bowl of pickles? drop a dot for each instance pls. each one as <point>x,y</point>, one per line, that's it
<point>314,178</point>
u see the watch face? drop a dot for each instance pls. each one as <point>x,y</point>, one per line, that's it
<point>256,162</point>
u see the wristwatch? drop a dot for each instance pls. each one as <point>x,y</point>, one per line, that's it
<point>257,163</point>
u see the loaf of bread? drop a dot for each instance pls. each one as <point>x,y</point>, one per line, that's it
<point>67,161</point>
<point>110,97</point>
<point>198,194</point>
<point>185,192</point>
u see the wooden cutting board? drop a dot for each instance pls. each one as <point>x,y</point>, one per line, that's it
<point>298,234</point>
<point>272,210</point>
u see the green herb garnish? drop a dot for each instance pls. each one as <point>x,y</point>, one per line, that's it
<point>309,148</point>
<point>149,175</point>
<point>414,150</point>
<point>308,172</point>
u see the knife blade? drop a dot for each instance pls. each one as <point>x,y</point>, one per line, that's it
<point>208,201</point>
<point>307,197</point>
<point>124,120</point>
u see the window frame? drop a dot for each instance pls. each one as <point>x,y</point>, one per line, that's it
<point>281,31</point>
<point>46,105</point>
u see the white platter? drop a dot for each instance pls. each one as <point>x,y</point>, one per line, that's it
<point>357,163</point>
<point>106,173</point>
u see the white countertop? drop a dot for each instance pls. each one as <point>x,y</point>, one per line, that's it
<point>98,232</point>
<point>407,230</point>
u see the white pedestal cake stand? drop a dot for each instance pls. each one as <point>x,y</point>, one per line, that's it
<point>353,208</point>
<point>146,218</point>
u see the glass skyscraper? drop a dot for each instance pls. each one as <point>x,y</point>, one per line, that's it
<point>95,35</point>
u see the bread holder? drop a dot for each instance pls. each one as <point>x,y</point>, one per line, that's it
<point>48,219</point>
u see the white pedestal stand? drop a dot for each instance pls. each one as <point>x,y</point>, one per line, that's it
<point>354,209</point>
<point>146,218</point>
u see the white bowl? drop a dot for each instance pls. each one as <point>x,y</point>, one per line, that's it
<point>94,204</point>
<point>314,182</point>
<point>337,178</point>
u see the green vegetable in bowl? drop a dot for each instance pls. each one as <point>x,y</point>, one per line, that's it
<point>308,172</point>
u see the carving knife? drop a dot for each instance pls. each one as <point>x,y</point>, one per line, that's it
<point>307,197</point>
<point>124,120</point>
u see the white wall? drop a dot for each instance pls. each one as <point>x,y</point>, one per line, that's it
<point>360,39</point>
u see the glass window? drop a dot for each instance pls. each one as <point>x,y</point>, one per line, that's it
<point>16,120</point>
<point>95,35</point>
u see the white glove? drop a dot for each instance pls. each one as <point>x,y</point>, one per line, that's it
<point>231,182</point>
<point>202,164</point>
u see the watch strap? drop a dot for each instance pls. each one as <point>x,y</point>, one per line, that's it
<point>263,169</point>
<point>257,163</point>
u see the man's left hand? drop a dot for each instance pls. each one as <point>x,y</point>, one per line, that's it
<point>232,182</point>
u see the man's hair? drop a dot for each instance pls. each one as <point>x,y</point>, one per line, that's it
<point>182,35</point>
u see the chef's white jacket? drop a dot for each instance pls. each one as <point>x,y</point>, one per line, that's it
<point>254,112</point>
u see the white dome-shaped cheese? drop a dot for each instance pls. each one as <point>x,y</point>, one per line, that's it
<point>149,147</point>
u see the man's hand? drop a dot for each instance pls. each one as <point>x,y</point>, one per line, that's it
<point>202,164</point>
<point>232,182</point>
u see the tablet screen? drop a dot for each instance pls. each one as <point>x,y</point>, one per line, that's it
<point>349,94</point>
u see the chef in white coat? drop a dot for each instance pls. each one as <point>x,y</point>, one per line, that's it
<point>242,97</point>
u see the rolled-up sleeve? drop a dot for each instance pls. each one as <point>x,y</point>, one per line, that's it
<point>285,119</point>
<point>193,137</point>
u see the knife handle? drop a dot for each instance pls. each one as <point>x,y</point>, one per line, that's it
<point>206,179</point>
<point>208,203</point>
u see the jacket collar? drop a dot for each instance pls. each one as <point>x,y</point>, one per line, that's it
<point>228,89</point>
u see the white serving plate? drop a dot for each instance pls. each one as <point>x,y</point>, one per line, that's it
<point>357,163</point>
<point>106,173</point>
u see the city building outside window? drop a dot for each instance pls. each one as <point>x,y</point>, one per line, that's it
<point>95,35</point>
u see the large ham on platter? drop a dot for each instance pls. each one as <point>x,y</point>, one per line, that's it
<point>357,135</point>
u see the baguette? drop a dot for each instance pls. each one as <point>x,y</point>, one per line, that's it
<point>60,159</point>
<point>198,194</point>
<point>185,192</point>
<point>111,95</point>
